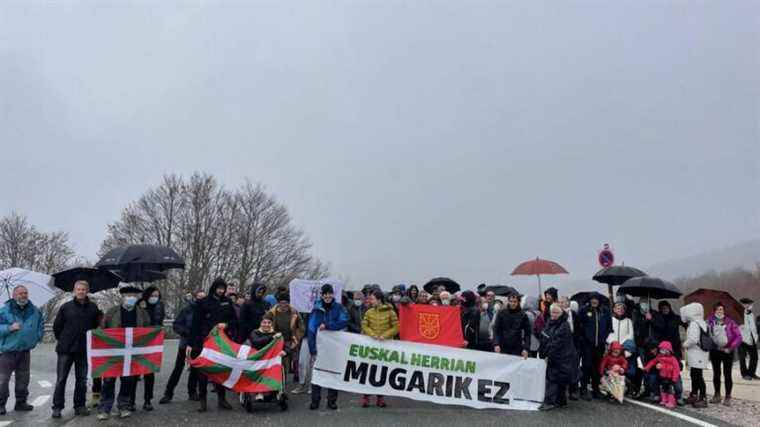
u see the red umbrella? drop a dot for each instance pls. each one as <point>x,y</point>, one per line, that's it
<point>537,267</point>
<point>708,298</point>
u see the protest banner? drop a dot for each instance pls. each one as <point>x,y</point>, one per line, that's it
<point>124,352</point>
<point>430,324</point>
<point>303,293</point>
<point>445,375</point>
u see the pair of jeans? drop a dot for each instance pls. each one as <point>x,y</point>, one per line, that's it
<point>126,385</point>
<point>725,360</point>
<point>179,366</point>
<point>748,370</point>
<point>14,362</point>
<point>65,360</point>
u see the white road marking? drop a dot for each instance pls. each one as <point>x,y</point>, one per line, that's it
<point>40,400</point>
<point>5,423</point>
<point>45,384</point>
<point>678,415</point>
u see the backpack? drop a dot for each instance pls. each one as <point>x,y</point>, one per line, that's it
<point>706,342</point>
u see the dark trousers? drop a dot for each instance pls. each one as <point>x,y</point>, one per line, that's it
<point>751,351</point>
<point>590,360</point>
<point>483,346</point>
<point>149,381</point>
<point>14,362</point>
<point>316,394</point>
<point>203,381</point>
<point>179,366</point>
<point>97,385</point>
<point>556,394</point>
<point>725,360</point>
<point>698,386</point>
<point>126,386</point>
<point>65,360</point>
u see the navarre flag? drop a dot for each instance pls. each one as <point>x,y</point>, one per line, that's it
<point>430,324</point>
<point>124,352</point>
<point>240,368</point>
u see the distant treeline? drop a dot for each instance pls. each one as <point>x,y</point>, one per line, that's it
<point>739,282</point>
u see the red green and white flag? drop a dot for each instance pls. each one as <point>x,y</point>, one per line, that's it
<point>241,368</point>
<point>124,352</point>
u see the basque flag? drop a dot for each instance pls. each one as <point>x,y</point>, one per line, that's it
<point>124,352</point>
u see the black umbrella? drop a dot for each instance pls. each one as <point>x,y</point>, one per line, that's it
<point>650,287</point>
<point>141,263</point>
<point>450,285</point>
<point>99,280</point>
<point>616,275</point>
<point>502,290</point>
<point>582,298</point>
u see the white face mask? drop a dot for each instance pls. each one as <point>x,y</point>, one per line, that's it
<point>445,302</point>
<point>152,300</point>
<point>129,301</point>
<point>484,306</point>
<point>396,298</point>
<point>358,302</point>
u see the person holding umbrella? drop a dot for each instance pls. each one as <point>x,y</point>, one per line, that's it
<point>596,324</point>
<point>21,328</point>
<point>726,336</point>
<point>70,327</point>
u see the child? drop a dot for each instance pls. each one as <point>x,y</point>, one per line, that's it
<point>669,373</point>
<point>261,337</point>
<point>630,352</point>
<point>613,366</point>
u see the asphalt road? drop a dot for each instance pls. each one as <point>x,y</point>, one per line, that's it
<point>400,412</point>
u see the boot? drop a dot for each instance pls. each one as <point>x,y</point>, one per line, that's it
<point>663,399</point>
<point>700,404</point>
<point>223,404</point>
<point>365,401</point>
<point>203,405</point>
<point>147,406</point>
<point>164,400</point>
<point>22,406</point>
<point>727,401</point>
<point>381,402</point>
<point>716,399</point>
<point>670,402</point>
<point>692,399</point>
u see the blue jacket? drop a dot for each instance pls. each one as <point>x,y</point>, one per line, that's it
<point>32,327</point>
<point>595,325</point>
<point>335,320</point>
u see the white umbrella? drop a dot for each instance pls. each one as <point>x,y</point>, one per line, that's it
<point>40,285</point>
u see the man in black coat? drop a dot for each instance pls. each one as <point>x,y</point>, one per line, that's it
<point>70,327</point>
<point>511,329</point>
<point>252,312</point>
<point>596,324</point>
<point>214,310</point>
<point>182,326</point>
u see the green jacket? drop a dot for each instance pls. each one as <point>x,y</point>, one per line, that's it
<point>380,321</point>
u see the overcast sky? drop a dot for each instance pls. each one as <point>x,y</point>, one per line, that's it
<point>409,139</point>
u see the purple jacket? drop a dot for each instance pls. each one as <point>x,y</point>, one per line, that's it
<point>733,333</point>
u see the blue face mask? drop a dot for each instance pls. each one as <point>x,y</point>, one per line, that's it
<point>152,300</point>
<point>129,301</point>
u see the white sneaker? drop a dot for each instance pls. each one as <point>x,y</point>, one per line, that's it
<point>259,397</point>
<point>299,390</point>
<point>124,414</point>
<point>103,416</point>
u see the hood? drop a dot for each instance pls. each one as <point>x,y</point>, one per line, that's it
<point>693,312</point>
<point>531,303</point>
<point>665,345</point>
<point>256,287</point>
<point>630,346</point>
<point>217,283</point>
<point>616,346</point>
<point>413,287</point>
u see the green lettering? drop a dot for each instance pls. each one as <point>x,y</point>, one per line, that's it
<point>373,353</point>
<point>426,361</point>
<point>416,359</point>
<point>393,357</point>
<point>470,367</point>
<point>434,362</point>
<point>353,350</point>
<point>459,366</point>
<point>445,364</point>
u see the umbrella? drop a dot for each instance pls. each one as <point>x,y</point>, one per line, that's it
<point>141,263</point>
<point>650,287</point>
<point>582,298</point>
<point>38,284</point>
<point>502,290</point>
<point>99,280</point>
<point>537,267</point>
<point>450,285</point>
<point>708,298</point>
<point>616,275</point>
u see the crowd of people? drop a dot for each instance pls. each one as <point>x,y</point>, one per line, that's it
<point>584,345</point>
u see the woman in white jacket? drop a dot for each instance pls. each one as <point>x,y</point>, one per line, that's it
<point>696,358</point>
<point>622,327</point>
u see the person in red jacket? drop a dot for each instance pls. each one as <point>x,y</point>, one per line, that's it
<point>668,372</point>
<point>612,370</point>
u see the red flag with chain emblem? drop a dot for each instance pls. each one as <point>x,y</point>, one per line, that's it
<point>430,324</point>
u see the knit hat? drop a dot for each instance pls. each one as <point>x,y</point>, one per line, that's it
<point>665,345</point>
<point>327,289</point>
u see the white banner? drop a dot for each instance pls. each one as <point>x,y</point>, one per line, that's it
<point>303,293</point>
<point>445,375</point>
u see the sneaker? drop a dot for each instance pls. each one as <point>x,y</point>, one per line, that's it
<point>22,406</point>
<point>700,404</point>
<point>56,413</point>
<point>259,397</point>
<point>546,407</point>
<point>81,412</point>
<point>681,402</point>
<point>166,399</point>
<point>332,405</point>
<point>747,378</point>
<point>147,407</point>
<point>299,390</point>
<point>95,400</point>
<point>103,416</point>
<point>692,399</point>
<point>314,405</point>
<point>125,413</point>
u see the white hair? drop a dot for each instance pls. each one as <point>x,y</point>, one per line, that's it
<point>556,307</point>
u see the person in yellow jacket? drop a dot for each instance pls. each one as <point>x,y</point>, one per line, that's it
<point>381,323</point>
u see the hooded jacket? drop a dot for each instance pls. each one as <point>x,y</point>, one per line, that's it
<point>693,315</point>
<point>596,325</point>
<point>733,333</point>
<point>622,330</point>
<point>669,367</point>
<point>558,350</point>
<point>71,324</point>
<point>666,328</point>
<point>209,312</point>
<point>380,321</point>
<point>511,331</point>
<point>749,329</point>
<point>609,360</point>
<point>251,313</point>
<point>334,319</point>
<point>32,327</point>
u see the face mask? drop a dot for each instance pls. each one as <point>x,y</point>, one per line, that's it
<point>644,307</point>
<point>664,352</point>
<point>129,301</point>
<point>445,302</point>
<point>396,298</point>
<point>719,316</point>
<point>484,306</point>
<point>152,300</point>
<point>358,302</point>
